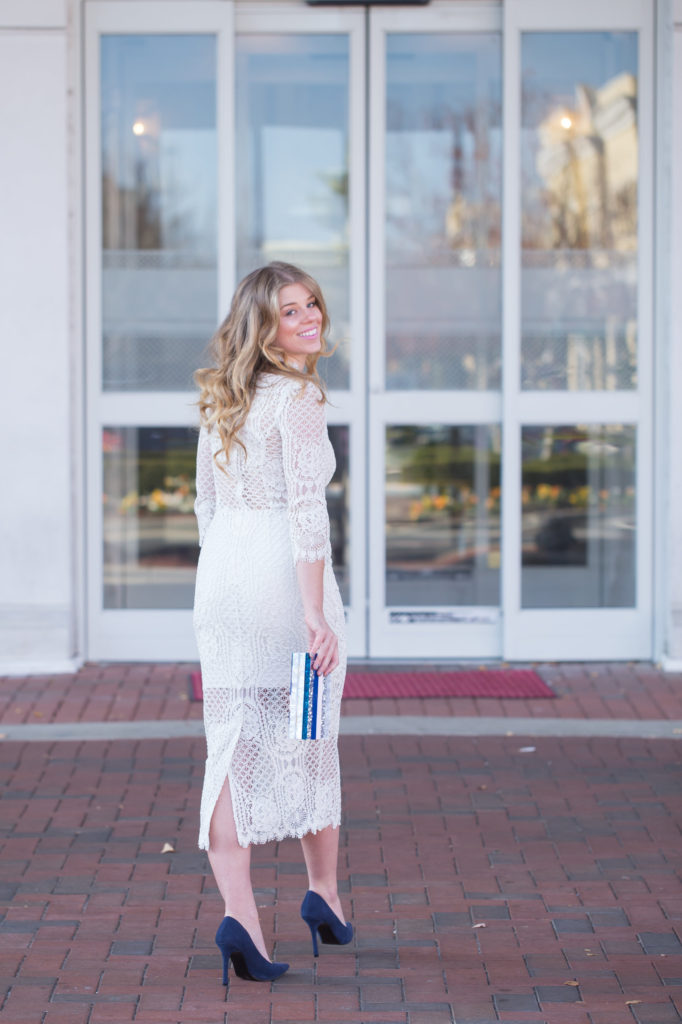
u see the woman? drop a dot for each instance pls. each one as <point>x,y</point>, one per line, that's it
<point>265,589</point>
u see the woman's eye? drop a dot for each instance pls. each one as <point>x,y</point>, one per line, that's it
<point>313,303</point>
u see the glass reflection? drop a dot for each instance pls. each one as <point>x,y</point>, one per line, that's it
<point>442,515</point>
<point>578,517</point>
<point>149,528</point>
<point>159,209</point>
<point>150,534</point>
<point>338,503</point>
<point>292,167</point>
<point>443,198</point>
<point>579,215</point>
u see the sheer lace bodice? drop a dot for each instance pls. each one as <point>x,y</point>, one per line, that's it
<point>289,463</point>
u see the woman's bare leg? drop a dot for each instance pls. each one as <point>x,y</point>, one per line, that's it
<point>231,865</point>
<point>321,854</point>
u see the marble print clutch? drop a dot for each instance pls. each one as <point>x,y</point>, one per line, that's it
<point>306,700</point>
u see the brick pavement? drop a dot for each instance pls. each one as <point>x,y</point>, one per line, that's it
<point>146,692</point>
<point>487,882</point>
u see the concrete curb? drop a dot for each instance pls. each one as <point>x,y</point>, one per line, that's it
<point>361,725</point>
<point>500,726</point>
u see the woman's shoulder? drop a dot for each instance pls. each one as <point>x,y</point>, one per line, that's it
<point>290,388</point>
<point>268,381</point>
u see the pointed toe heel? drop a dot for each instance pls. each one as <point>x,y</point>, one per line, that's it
<point>235,943</point>
<point>322,921</point>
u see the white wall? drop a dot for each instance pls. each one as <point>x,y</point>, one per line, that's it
<point>42,14</point>
<point>36,558</point>
<point>674,639</point>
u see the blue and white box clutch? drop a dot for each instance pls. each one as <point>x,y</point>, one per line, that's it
<point>306,700</point>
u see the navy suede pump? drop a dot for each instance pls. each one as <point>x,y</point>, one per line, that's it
<point>235,943</point>
<point>322,920</point>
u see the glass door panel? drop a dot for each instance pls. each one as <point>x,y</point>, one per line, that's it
<point>159,208</point>
<point>155,126</point>
<point>578,342</point>
<point>442,516</point>
<point>149,540</point>
<point>435,311</point>
<point>292,180</point>
<point>579,187</point>
<point>579,516</point>
<point>212,146</point>
<point>299,178</point>
<point>443,161</point>
<point>339,506</point>
<point>292,169</point>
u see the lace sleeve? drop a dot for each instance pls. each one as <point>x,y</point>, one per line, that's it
<point>204,506</point>
<point>304,443</point>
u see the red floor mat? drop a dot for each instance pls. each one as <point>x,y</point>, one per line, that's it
<point>508,683</point>
<point>503,683</point>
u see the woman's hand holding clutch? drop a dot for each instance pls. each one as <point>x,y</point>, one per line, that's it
<point>322,643</point>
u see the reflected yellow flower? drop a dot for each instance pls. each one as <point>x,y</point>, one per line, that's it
<point>415,510</point>
<point>129,501</point>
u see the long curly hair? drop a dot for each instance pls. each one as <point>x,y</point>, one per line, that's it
<point>244,346</point>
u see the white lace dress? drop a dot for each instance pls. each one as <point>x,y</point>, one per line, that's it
<point>256,520</point>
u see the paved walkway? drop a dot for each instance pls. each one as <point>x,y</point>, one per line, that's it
<point>490,878</point>
<point>160,692</point>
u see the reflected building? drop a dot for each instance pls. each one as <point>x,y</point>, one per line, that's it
<point>579,218</point>
<point>587,159</point>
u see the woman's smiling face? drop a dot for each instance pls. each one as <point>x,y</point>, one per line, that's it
<point>300,320</point>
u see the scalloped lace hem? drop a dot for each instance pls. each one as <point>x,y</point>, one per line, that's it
<point>279,835</point>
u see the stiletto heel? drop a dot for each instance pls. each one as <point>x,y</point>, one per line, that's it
<point>235,943</point>
<point>226,965</point>
<point>313,931</point>
<point>322,920</point>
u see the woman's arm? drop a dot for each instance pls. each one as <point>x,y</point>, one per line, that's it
<point>304,440</point>
<point>322,641</point>
<point>204,506</point>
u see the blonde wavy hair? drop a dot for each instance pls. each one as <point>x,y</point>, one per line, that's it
<point>244,346</point>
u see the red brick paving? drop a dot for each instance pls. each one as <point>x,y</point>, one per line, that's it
<point>568,858</point>
<point>143,692</point>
